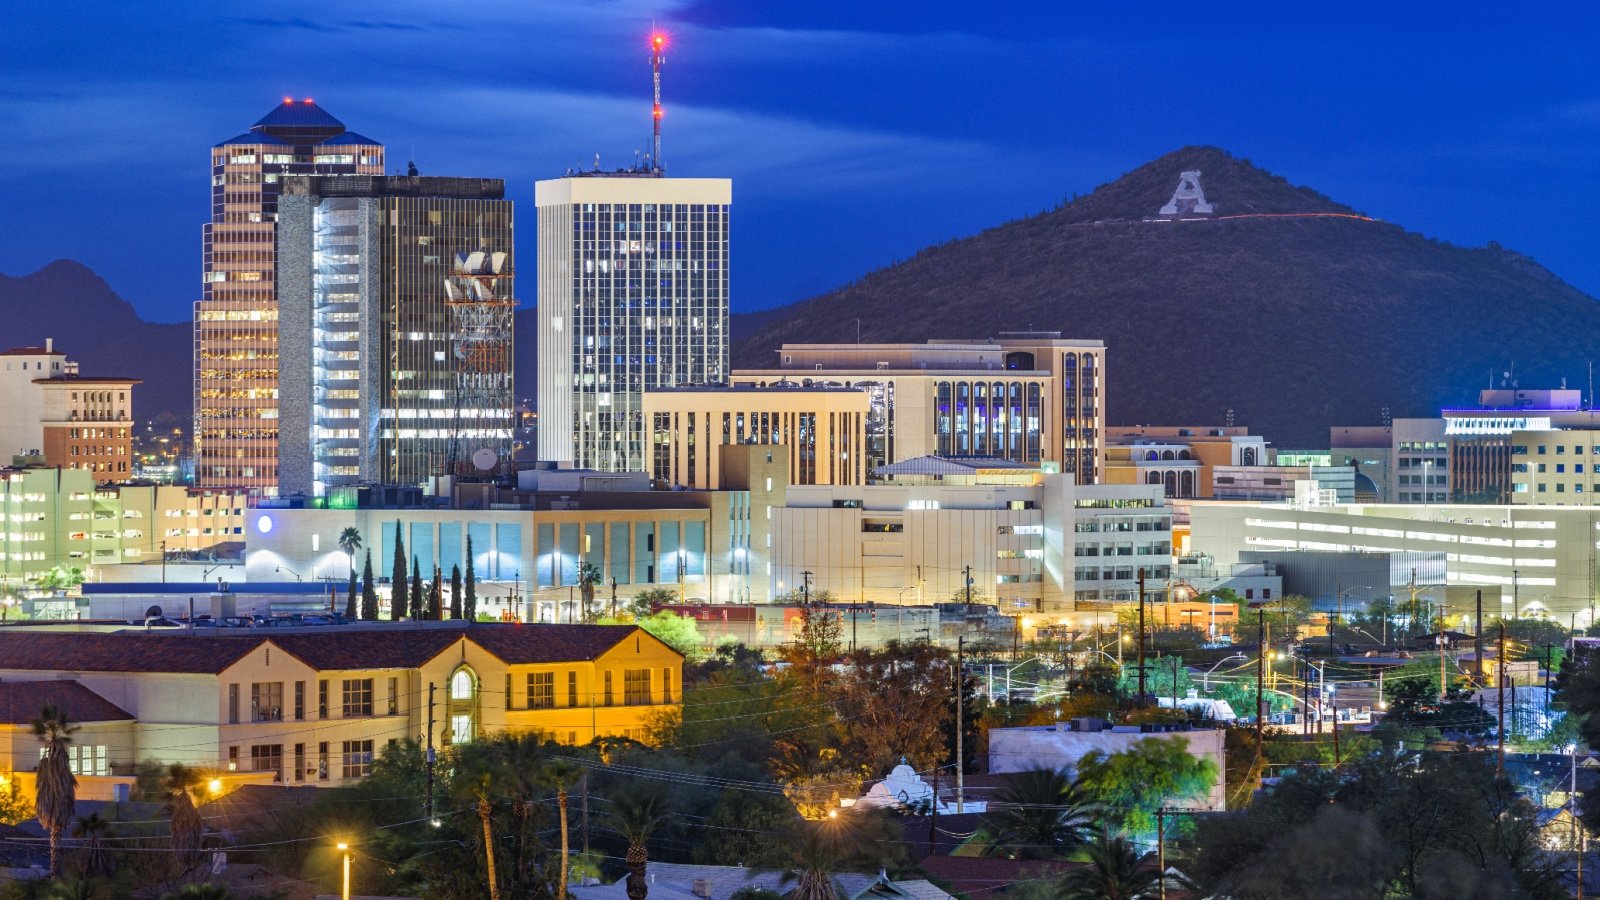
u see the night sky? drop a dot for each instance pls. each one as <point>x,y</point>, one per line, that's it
<point>856,132</point>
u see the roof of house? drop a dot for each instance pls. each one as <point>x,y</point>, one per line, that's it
<point>72,651</point>
<point>676,881</point>
<point>327,648</point>
<point>30,351</point>
<point>21,701</point>
<point>979,877</point>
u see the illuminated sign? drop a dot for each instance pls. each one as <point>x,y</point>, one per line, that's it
<point>1495,424</point>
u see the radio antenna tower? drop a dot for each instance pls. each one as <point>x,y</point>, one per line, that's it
<point>658,44</point>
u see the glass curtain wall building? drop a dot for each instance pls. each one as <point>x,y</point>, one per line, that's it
<point>397,299</point>
<point>236,347</point>
<point>633,296</point>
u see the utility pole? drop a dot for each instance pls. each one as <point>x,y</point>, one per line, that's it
<point>1549,657</point>
<point>613,604</point>
<point>1175,660</point>
<point>805,588</point>
<point>1477,641</point>
<point>1516,592</point>
<point>1141,638</point>
<point>1333,700</point>
<point>164,564</point>
<point>1500,676</point>
<point>561,802</point>
<point>583,807</point>
<point>1443,687</point>
<point>961,745</point>
<point>1261,669</point>
<point>432,757</point>
<point>933,819</point>
<point>966,572</point>
<point>1161,850</point>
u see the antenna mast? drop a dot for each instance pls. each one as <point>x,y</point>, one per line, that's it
<point>658,43</point>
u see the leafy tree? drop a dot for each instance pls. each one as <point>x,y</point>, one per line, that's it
<point>1304,862</point>
<point>199,892</point>
<point>1038,814</point>
<point>816,644</point>
<point>1412,694</point>
<point>14,807</point>
<point>645,602</point>
<point>1132,784</point>
<point>1113,872</point>
<point>398,604</point>
<point>1526,637</point>
<point>894,703</point>
<point>56,788</point>
<point>369,591</point>
<point>471,608</point>
<point>455,592</point>
<point>676,631</point>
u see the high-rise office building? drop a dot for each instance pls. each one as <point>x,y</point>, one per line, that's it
<point>236,319</point>
<point>395,298</point>
<point>633,296</point>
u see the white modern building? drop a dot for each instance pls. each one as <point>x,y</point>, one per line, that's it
<point>1529,560</point>
<point>632,296</point>
<point>1039,547</point>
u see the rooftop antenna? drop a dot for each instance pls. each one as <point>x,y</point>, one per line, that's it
<point>658,45</point>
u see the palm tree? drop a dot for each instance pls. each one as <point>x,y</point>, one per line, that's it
<point>1113,872</point>
<point>92,831</point>
<point>815,852</point>
<point>57,787</point>
<point>1038,814</point>
<point>588,577</point>
<point>186,826</point>
<point>636,815</point>
<point>350,542</point>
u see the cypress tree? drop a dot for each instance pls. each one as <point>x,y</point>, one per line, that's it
<point>455,592</point>
<point>397,577</point>
<point>471,611</point>
<point>417,599</point>
<point>369,591</point>
<point>350,599</point>
<point>436,596</point>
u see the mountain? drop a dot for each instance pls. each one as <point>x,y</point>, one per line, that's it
<point>101,331</point>
<point>1290,310</point>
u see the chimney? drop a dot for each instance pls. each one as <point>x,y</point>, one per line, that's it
<point>702,888</point>
<point>49,345</point>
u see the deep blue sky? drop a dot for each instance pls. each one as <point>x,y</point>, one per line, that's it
<point>856,132</point>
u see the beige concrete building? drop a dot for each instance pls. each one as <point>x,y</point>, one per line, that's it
<point>48,410</point>
<point>1022,397</point>
<point>63,517</point>
<point>1181,458</point>
<point>823,427</point>
<point>316,706</point>
<point>1555,467</point>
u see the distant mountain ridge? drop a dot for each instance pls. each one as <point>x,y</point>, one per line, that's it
<point>1287,308</point>
<point>93,326</point>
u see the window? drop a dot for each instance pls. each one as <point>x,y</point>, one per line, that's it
<point>322,699</point>
<point>266,701</point>
<point>608,700</point>
<point>541,690</point>
<point>299,762</point>
<point>461,685</point>
<point>572,688</point>
<point>394,696</point>
<point>267,758</point>
<point>233,704</point>
<point>666,686</point>
<point>636,687</point>
<point>357,758</point>
<point>322,761</point>
<point>357,697</point>
<point>299,700</point>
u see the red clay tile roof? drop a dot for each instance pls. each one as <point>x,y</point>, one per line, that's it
<point>401,647</point>
<point>30,351</point>
<point>101,652</point>
<point>518,644</point>
<point>21,701</point>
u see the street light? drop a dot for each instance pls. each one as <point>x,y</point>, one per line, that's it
<point>1205,680</point>
<point>344,892</point>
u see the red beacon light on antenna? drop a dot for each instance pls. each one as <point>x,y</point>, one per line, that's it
<point>288,100</point>
<point>307,100</point>
<point>658,40</point>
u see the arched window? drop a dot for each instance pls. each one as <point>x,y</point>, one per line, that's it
<point>1248,457</point>
<point>1152,478</point>
<point>1184,454</point>
<point>1151,455</point>
<point>1186,485</point>
<point>461,685</point>
<point>463,706</point>
<point>1168,454</point>
<point>1172,484</point>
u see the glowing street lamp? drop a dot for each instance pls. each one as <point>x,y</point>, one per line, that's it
<point>344,892</point>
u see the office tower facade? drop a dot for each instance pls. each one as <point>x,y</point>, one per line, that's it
<point>51,414</point>
<point>236,348</point>
<point>633,296</point>
<point>1024,397</point>
<point>395,319</point>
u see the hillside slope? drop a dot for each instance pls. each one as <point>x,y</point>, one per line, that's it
<point>1297,315</point>
<point>92,325</point>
